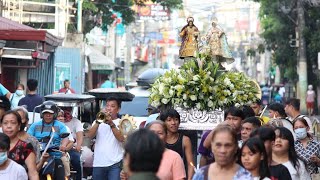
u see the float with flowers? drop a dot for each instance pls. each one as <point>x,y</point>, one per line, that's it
<point>200,91</point>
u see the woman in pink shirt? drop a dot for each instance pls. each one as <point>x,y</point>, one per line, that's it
<point>171,166</point>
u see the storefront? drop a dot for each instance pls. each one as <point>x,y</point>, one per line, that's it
<point>26,53</point>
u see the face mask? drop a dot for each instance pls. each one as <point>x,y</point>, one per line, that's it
<point>19,92</point>
<point>3,157</point>
<point>301,133</point>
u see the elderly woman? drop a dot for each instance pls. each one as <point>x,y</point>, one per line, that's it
<point>23,135</point>
<point>224,145</point>
<point>20,151</point>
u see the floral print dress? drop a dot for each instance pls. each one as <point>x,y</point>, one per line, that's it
<point>20,152</point>
<point>242,174</point>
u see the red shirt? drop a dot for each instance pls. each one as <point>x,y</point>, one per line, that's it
<point>20,152</point>
<point>66,91</point>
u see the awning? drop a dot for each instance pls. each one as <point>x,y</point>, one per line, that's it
<point>99,61</point>
<point>13,31</point>
<point>25,54</point>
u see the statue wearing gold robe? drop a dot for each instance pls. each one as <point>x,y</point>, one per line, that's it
<point>189,44</point>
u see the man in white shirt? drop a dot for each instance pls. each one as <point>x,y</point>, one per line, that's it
<point>108,150</point>
<point>9,170</point>
<point>76,129</point>
<point>292,109</point>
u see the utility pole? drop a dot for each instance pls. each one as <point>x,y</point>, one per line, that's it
<point>301,57</point>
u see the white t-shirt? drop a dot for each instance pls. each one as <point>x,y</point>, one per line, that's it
<point>107,150</point>
<point>70,135</point>
<point>75,126</point>
<point>13,172</point>
<point>295,175</point>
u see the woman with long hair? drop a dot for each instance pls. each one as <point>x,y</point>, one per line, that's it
<point>306,147</point>
<point>283,152</point>
<point>224,145</point>
<point>20,151</point>
<point>254,158</point>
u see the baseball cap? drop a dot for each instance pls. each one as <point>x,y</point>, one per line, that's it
<point>48,110</point>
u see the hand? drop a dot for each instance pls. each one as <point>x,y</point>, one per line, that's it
<point>123,175</point>
<point>314,159</point>
<point>78,148</point>
<point>45,157</point>
<point>63,148</point>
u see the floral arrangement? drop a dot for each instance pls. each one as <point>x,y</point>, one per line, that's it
<point>199,84</point>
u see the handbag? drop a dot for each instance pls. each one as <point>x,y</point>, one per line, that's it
<point>315,176</point>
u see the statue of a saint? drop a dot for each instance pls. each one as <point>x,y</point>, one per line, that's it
<point>218,45</point>
<point>189,44</point>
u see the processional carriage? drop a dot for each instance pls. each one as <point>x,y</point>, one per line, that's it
<point>201,89</point>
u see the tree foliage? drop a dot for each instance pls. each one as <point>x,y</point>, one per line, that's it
<point>278,21</point>
<point>106,8</point>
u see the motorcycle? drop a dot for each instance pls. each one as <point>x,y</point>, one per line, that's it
<point>48,171</point>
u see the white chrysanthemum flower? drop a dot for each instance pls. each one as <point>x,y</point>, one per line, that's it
<point>161,87</point>
<point>196,78</point>
<point>171,92</point>
<point>193,97</point>
<point>231,86</point>
<point>164,101</point>
<point>227,81</point>
<point>184,96</point>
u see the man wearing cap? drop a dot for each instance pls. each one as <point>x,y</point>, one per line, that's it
<point>48,126</point>
<point>108,150</point>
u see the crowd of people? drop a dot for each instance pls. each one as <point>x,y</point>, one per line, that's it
<point>24,149</point>
<point>247,145</point>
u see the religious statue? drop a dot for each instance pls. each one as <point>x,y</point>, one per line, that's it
<point>189,44</point>
<point>218,45</point>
